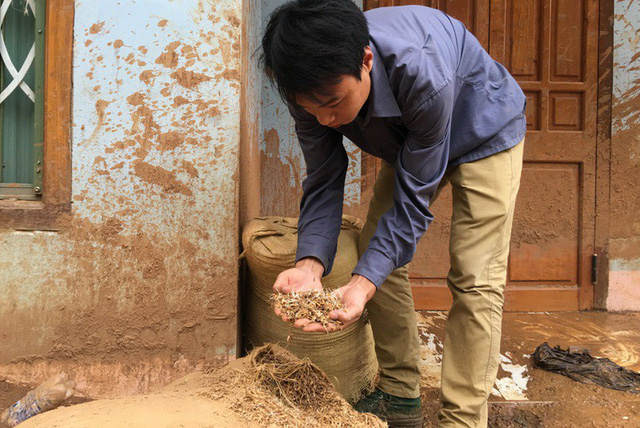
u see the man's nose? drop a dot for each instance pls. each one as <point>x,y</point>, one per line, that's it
<point>325,118</point>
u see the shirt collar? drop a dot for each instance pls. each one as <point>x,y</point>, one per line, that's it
<point>382,102</point>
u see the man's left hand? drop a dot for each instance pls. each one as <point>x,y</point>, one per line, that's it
<point>355,296</point>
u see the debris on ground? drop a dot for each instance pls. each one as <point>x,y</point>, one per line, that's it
<point>314,305</point>
<point>46,396</point>
<point>579,365</point>
<point>268,388</point>
<point>275,388</point>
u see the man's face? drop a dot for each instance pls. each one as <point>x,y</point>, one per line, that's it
<point>344,100</point>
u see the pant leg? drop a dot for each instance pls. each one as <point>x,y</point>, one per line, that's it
<point>391,310</point>
<point>484,195</point>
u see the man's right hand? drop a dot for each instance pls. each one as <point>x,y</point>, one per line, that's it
<point>305,276</point>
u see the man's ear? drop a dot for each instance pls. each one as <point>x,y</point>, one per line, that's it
<point>367,61</point>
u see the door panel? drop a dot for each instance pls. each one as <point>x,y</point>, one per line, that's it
<point>545,248</point>
<point>550,47</point>
<point>516,37</point>
<point>474,14</point>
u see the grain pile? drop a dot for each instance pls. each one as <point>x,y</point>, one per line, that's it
<point>314,305</point>
<point>272,387</point>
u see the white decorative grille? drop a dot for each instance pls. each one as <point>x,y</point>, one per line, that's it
<point>18,75</point>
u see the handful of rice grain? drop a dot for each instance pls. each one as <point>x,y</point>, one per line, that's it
<point>314,305</point>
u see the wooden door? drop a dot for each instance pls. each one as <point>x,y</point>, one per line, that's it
<point>550,47</point>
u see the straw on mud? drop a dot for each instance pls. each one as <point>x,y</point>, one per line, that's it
<point>294,381</point>
<point>277,389</point>
<point>314,305</point>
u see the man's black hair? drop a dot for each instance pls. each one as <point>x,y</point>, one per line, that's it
<point>310,44</point>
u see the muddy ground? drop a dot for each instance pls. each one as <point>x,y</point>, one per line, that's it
<point>560,402</point>
<point>526,397</point>
<point>555,402</point>
<point>548,400</point>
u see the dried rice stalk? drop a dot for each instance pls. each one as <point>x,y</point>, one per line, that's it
<point>277,389</point>
<point>297,382</point>
<point>314,305</point>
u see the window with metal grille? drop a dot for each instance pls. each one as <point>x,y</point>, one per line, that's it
<point>21,98</point>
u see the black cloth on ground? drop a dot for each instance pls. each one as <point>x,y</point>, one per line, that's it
<point>579,365</point>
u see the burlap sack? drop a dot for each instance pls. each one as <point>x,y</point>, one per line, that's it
<point>347,356</point>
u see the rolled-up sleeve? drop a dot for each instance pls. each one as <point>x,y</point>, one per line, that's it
<point>420,166</point>
<point>323,188</point>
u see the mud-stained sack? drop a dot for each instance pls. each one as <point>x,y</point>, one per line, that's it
<point>347,356</point>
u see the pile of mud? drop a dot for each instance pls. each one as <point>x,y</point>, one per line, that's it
<point>269,387</point>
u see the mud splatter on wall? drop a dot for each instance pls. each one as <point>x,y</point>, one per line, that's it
<point>141,285</point>
<point>624,243</point>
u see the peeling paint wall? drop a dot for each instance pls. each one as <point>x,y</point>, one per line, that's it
<point>624,243</point>
<point>141,285</point>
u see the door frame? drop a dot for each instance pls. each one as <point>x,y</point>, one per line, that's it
<point>603,151</point>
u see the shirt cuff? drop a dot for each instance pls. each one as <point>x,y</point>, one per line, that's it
<point>319,247</point>
<point>375,266</point>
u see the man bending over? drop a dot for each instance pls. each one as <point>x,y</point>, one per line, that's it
<point>412,86</point>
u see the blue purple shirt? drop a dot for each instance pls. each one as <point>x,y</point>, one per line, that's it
<point>437,100</point>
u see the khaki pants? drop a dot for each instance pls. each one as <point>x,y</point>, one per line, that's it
<point>484,195</point>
